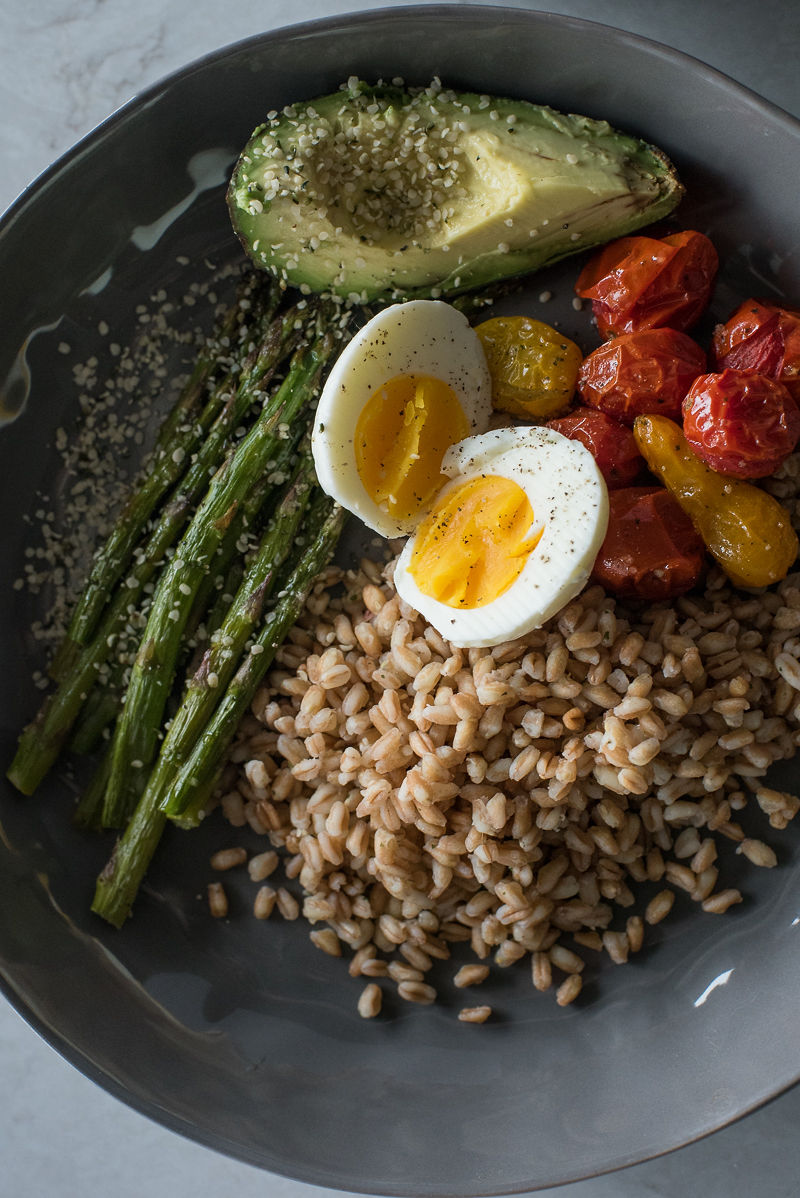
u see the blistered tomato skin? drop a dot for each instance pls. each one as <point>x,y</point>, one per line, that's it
<point>762,338</point>
<point>747,531</point>
<point>651,549</point>
<point>741,424</point>
<point>610,443</point>
<point>646,283</point>
<point>640,373</point>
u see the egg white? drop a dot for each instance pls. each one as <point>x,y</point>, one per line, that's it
<point>420,337</point>
<point>570,503</point>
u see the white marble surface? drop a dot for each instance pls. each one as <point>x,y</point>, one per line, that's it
<point>64,66</point>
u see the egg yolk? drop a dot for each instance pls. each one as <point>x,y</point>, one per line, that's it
<point>401,436</point>
<point>474,544</point>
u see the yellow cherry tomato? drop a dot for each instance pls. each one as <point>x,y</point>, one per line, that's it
<point>533,367</point>
<point>746,530</point>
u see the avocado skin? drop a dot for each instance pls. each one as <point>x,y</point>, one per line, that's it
<point>595,182</point>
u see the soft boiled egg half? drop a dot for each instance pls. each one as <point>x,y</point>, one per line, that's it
<point>509,540</point>
<point>504,526</point>
<point>410,384</point>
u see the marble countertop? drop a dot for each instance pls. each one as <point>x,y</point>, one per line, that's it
<point>64,66</point>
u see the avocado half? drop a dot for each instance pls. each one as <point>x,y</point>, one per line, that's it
<point>388,192</point>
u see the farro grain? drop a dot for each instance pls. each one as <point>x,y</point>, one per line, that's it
<point>369,1001</point>
<point>659,907</point>
<point>418,992</point>
<point>569,990</point>
<point>718,903</point>
<point>565,960</point>
<point>326,940</point>
<point>681,876</point>
<point>217,900</point>
<point>542,973</point>
<point>287,904</point>
<point>706,881</point>
<point>474,1014</point>
<point>617,946</point>
<point>228,858</point>
<point>470,975</point>
<point>375,968</point>
<point>262,865</point>
<point>264,902</point>
<point>634,930</point>
<point>399,971</point>
<point>508,953</point>
<point>590,940</point>
<point>758,853</point>
<point>789,669</point>
<point>233,809</point>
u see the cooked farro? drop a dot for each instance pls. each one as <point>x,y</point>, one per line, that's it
<point>569,990</point>
<point>326,940</point>
<point>474,1014</point>
<point>217,900</point>
<point>369,1002</point>
<point>264,903</point>
<point>513,798</point>
<point>228,858</point>
<point>470,975</point>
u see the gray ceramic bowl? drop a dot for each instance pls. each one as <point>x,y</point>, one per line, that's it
<point>243,1036</point>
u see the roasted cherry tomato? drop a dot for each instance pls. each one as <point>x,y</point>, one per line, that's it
<point>638,373</point>
<point>610,443</point>
<point>651,550</point>
<point>762,338</point>
<point>646,283</point>
<point>748,531</point>
<point>739,423</point>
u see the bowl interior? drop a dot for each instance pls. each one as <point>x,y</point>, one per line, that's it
<point>242,1035</point>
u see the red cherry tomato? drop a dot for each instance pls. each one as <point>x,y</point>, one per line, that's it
<point>611,444</point>
<point>739,423</point>
<point>651,550</point>
<point>645,283</point>
<point>641,374</point>
<point>763,338</point>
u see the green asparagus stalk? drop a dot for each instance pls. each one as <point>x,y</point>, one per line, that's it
<point>223,580</point>
<point>209,749</point>
<point>221,658</point>
<point>101,708</point>
<point>119,882</point>
<point>175,420</point>
<point>89,811</point>
<point>166,467</point>
<point>43,739</point>
<point>153,672</point>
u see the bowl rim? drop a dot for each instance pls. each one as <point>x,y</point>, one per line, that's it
<point>75,1055</point>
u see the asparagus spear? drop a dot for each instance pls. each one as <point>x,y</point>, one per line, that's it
<point>42,740</point>
<point>153,672</point>
<point>218,662</point>
<point>210,747</point>
<point>101,708</point>
<point>119,882</point>
<point>181,411</point>
<point>221,658</point>
<point>165,468</point>
<point>88,813</point>
<point>221,583</point>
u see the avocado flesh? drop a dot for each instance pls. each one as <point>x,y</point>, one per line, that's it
<point>380,193</point>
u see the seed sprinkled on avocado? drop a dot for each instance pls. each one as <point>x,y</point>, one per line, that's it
<point>367,192</point>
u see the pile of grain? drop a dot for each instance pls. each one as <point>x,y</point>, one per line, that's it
<point>513,797</point>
